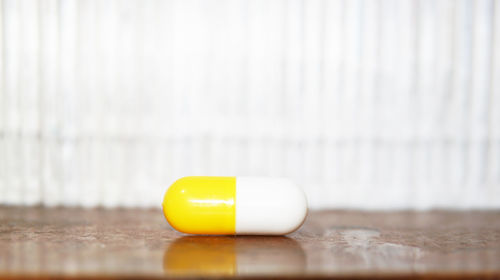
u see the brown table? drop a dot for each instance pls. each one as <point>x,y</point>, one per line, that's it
<point>133,243</point>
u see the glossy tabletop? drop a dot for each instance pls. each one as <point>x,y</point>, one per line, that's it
<point>137,243</point>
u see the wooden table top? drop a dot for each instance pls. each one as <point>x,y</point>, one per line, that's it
<point>69,243</point>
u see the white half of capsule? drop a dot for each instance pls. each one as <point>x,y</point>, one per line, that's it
<point>268,206</point>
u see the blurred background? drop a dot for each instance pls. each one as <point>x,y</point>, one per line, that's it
<point>365,104</point>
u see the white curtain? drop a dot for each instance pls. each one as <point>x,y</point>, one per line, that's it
<point>365,104</point>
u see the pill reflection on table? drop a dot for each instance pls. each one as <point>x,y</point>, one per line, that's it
<point>231,256</point>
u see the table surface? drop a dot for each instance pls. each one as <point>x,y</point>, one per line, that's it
<point>70,243</point>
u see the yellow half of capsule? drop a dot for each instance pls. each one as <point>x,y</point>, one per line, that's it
<point>202,205</point>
